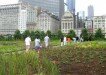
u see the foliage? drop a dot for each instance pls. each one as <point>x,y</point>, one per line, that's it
<point>49,33</point>
<point>71,34</point>
<point>7,46</point>
<point>84,34</point>
<point>32,35</point>
<point>1,37</point>
<point>42,35</point>
<point>37,34</point>
<point>59,34</point>
<point>26,33</point>
<point>8,37</point>
<point>26,64</point>
<point>17,35</point>
<point>91,37</point>
<point>99,34</point>
<point>79,53</point>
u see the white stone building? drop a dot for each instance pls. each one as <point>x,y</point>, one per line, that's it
<point>47,21</point>
<point>16,16</point>
<point>89,25</point>
<point>67,22</point>
<point>99,22</point>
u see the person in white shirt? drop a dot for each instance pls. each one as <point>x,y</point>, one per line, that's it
<point>46,40</point>
<point>65,40</point>
<point>27,43</point>
<point>37,44</point>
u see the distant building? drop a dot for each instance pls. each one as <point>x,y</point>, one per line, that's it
<point>67,22</point>
<point>17,16</point>
<point>53,6</point>
<point>81,14</point>
<point>90,12</point>
<point>71,5</point>
<point>89,25</point>
<point>99,22</point>
<point>47,21</point>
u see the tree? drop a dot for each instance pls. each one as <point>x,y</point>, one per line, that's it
<point>37,34</point>
<point>17,35</point>
<point>1,37</point>
<point>99,34</point>
<point>32,35</point>
<point>84,34</point>
<point>71,34</point>
<point>26,33</point>
<point>42,35</point>
<point>48,33</point>
<point>59,34</point>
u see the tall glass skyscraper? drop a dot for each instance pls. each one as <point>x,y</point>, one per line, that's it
<point>71,5</point>
<point>54,6</point>
<point>90,11</point>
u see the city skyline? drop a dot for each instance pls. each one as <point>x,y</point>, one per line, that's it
<point>99,5</point>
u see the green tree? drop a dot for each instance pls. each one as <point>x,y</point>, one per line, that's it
<point>59,34</point>
<point>2,37</point>
<point>99,34</point>
<point>49,33</point>
<point>91,36</point>
<point>26,33</point>
<point>84,34</point>
<point>71,34</point>
<point>37,34</point>
<point>42,35</point>
<point>17,35</point>
<point>32,35</point>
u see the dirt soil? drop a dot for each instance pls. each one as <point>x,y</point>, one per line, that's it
<point>83,69</point>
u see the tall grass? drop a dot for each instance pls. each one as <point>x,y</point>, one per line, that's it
<point>26,64</point>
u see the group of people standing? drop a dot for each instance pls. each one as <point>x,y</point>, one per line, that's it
<point>37,41</point>
<point>65,40</point>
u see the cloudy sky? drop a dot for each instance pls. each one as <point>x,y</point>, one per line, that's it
<point>81,5</point>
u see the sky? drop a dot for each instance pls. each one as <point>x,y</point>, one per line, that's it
<point>81,5</point>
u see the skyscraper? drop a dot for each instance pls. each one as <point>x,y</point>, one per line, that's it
<point>71,5</point>
<point>54,6</point>
<point>90,11</point>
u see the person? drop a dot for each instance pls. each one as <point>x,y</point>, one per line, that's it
<point>77,38</point>
<point>37,44</point>
<point>61,40</point>
<point>74,39</point>
<point>27,43</point>
<point>65,40</point>
<point>46,40</point>
<point>68,40</point>
<point>81,39</point>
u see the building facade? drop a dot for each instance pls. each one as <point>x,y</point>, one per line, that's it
<point>89,25</point>
<point>54,6</point>
<point>16,16</point>
<point>67,22</point>
<point>71,5</point>
<point>90,12</point>
<point>99,22</point>
<point>47,21</point>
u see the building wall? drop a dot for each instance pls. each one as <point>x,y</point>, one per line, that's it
<point>16,16</point>
<point>89,25</point>
<point>99,22</point>
<point>22,21</point>
<point>71,5</point>
<point>90,12</point>
<point>54,6</point>
<point>46,22</point>
<point>8,19</point>
<point>67,22</point>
